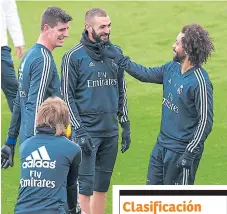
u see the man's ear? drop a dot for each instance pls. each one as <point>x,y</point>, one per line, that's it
<point>88,28</point>
<point>46,27</point>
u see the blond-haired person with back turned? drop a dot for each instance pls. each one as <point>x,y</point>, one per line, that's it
<point>49,164</point>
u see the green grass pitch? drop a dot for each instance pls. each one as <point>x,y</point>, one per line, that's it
<point>146,32</point>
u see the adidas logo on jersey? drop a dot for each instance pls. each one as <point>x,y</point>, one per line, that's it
<point>91,64</point>
<point>39,159</point>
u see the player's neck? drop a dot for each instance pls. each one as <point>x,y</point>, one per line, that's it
<point>185,66</point>
<point>43,41</point>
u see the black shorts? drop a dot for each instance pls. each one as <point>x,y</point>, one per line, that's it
<point>95,171</point>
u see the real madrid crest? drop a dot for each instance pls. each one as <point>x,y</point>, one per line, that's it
<point>114,65</point>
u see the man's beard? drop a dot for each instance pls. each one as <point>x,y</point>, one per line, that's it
<point>179,57</point>
<point>97,37</point>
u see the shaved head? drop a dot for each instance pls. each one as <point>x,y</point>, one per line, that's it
<point>94,12</point>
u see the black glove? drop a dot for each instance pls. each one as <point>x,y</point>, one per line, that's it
<point>7,153</point>
<point>186,160</point>
<point>113,53</point>
<point>84,141</point>
<point>126,138</point>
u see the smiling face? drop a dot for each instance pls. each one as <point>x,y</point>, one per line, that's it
<point>99,29</point>
<point>178,51</point>
<point>57,34</point>
<point>54,27</point>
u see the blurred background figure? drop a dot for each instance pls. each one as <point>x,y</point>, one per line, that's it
<point>10,21</point>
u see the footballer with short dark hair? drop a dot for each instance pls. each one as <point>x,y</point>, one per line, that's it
<point>38,79</point>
